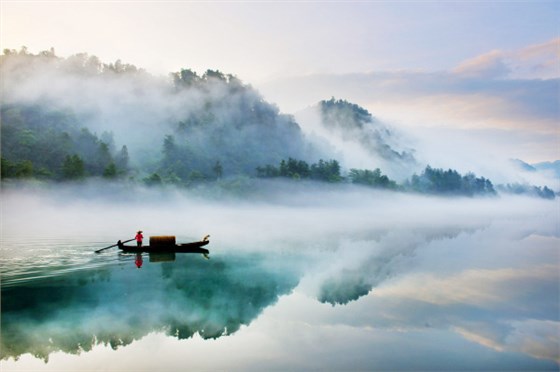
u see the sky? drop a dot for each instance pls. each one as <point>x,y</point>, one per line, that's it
<point>472,69</point>
<point>260,41</point>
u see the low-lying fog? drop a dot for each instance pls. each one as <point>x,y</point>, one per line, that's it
<point>486,269</point>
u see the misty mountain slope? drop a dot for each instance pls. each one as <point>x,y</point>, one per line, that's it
<point>521,165</point>
<point>76,117</point>
<point>531,175</point>
<point>358,136</point>
<point>185,126</point>
<point>233,128</point>
<point>548,166</point>
<point>52,143</point>
<point>354,123</point>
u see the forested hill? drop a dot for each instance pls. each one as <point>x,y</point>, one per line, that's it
<point>77,117</point>
<point>68,119</point>
<point>355,124</point>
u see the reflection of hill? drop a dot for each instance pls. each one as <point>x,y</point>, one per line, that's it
<point>233,295</point>
<point>74,312</point>
<point>349,285</point>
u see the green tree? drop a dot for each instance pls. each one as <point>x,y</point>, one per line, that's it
<point>269,171</point>
<point>24,169</point>
<point>7,167</point>
<point>73,167</point>
<point>185,78</point>
<point>110,171</point>
<point>103,158</point>
<point>439,181</point>
<point>371,178</point>
<point>328,171</point>
<point>153,180</point>
<point>214,75</point>
<point>122,159</point>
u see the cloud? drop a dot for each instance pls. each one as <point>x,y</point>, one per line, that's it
<point>480,287</point>
<point>507,101</point>
<point>538,338</point>
<point>487,66</point>
<point>538,61</point>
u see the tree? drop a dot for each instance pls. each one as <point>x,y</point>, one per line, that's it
<point>218,169</point>
<point>103,158</point>
<point>547,193</point>
<point>153,180</point>
<point>328,171</point>
<point>24,169</point>
<point>269,171</point>
<point>526,189</point>
<point>210,75</point>
<point>6,167</point>
<point>186,78</point>
<point>438,181</point>
<point>73,167</point>
<point>122,159</point>
<point>110,171</point>
<point>371,178</point>
<point>169,146</point>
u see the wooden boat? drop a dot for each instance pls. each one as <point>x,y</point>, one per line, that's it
<point>161,244</point>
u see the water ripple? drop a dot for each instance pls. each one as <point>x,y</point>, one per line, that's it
<point>26,260</point>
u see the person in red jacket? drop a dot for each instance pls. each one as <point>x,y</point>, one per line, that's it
<point>139,238</point>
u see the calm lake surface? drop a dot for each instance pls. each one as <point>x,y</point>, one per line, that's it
<point>349,280</point>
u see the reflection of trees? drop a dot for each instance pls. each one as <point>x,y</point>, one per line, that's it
<point>74,312</point>
<point>350,284</point>
<point>237,290</point>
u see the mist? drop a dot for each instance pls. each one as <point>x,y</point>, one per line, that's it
<point>359,224</point>
<point>185,128</point>
<point>210,118</point>
<point>358,139</point>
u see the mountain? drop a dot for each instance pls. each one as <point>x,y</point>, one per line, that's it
<point>181,127</point>
<point>359,138</point>
<point>552,167</point>
<point>521,165</point>
<point>355,124</point>
<point>74,118</point>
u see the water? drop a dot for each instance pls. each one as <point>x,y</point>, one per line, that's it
<point>469,284</point>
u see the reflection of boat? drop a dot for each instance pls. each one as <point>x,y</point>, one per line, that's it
<point>163,244</point>
<point>162,256</point>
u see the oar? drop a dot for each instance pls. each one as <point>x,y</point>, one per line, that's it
<point>114,245</point>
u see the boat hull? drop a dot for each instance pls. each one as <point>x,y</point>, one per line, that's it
<point>194,247</point>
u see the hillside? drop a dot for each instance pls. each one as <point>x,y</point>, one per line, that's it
<point>68,119</point>
<point>182,127</point>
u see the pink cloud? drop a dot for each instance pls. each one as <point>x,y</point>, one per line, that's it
<point>537,61</point>
<point>488,65</point>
